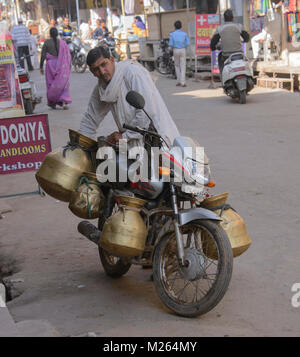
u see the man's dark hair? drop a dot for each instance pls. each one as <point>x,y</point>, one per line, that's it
<point>228,15</point>
<point>96,53</point>
<point>177,25</point>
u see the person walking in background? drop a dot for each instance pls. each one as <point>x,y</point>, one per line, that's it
<point>178,42</point>
<point>52,23</point>
<point>85,30</point>
<point>116,22</point>
<point>33,51</point>
<point>21,38</point>
<point>58,69</point>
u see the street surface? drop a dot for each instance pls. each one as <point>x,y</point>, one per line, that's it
<point>254,154</point>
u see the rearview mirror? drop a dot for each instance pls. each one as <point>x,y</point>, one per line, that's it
<point>135,99</point>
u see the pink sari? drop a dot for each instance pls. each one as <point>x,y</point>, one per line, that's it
<point>58,71</point>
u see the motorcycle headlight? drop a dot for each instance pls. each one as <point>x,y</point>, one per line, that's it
<point>197,172</point>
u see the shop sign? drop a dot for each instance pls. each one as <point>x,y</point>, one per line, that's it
<point>11,104</point>
<point>24,142</point>
<point>205,27</point>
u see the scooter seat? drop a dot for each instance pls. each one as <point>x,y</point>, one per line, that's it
<point>236,57</point>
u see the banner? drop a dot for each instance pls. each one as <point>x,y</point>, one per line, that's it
<point>11,104</point>
<point>24,142</point>
<point>205,27</point>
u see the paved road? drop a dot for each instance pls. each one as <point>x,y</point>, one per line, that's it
<point>254,152</point>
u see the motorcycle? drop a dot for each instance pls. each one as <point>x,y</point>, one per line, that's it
<point>109,42</point>
<point>179,232</point>
<point>237,77</point>
<point>78,54</point>
<point>28,90</point>
<point>165,63</point>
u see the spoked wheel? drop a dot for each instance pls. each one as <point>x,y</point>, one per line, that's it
<point>242,97</point>
<point>80,63</point>
<point>113,266</point>
<point>199,286</point>
<point>161,66</point>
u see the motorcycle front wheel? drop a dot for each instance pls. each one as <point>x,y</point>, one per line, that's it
<point>80,63</point>
<point>199,286</point>
<point>161,66</point>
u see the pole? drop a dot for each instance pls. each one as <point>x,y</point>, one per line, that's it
<point>78,18</point>
<point>188,29</point>
<point>123,9</point>
<point>160,30</point>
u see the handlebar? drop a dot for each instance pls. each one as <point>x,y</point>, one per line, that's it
<point>141,131</point>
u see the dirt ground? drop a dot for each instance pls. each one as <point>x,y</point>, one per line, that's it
<point>254,152</point>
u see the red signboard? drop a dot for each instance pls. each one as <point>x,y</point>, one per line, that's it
<point>205,27</point>
<point>24,142</point>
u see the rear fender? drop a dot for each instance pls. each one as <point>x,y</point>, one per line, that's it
<point>241,83</point>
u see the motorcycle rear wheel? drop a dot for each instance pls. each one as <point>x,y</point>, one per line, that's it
<point>113,266</point>
<point>243,96</point>
<point>196,289</point>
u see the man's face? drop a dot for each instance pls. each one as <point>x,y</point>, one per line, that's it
<point>52,22</point>
<point>66,22</point>
<point>103,68</point>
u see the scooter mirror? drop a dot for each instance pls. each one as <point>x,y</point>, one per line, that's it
<point>135,99</point>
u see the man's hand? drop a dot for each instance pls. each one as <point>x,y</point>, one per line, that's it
<point>113,139</point>
<point>41,71</point>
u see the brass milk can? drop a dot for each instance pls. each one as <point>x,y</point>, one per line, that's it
<point>61,169</point>
<point>124,233</point>
<point>232,223</point>
<point>87,200</point>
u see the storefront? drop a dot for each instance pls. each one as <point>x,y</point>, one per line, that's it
<point>276,25</point>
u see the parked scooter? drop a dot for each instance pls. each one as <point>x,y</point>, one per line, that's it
<point>237,77</point>
<point>78,54</point>
<point>28,90</point>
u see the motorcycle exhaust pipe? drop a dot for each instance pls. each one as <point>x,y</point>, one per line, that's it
<point>89,231</point>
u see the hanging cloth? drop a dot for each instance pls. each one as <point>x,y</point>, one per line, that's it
<point>289,28</point>
<point>298,5</point>
<point>296,27</point>
<point>257,5</point>
<point>265,6</point>
<point>292,5</point>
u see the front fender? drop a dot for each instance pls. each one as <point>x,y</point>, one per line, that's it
<point>192,214</point>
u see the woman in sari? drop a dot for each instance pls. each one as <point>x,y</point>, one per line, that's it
<point>58,69</point>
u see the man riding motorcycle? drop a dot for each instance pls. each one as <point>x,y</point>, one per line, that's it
<point>230,35</point>
<point>115,80</point>
<point>65,31</point>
